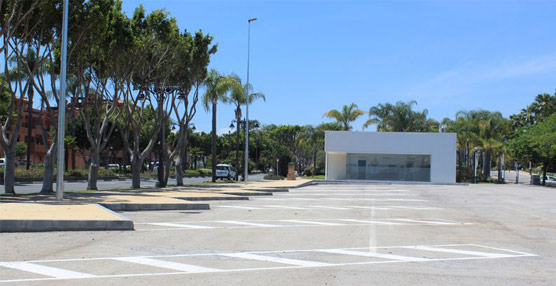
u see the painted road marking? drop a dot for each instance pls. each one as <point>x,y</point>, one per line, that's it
<point>310,222</point>
<point>296,223</point>
<point>274,207</point>
<point>371,222</point>
<point>181,225</point>
<point>247,223</point>
<point>46,270</point>
<point>61,274</point>
<point>423,221</point>
<point>285,207</point>
<point>241,207</point>
<point>458,251</point>
<point>375,254</point>
<point>167,264</point>
<point>282,260</point>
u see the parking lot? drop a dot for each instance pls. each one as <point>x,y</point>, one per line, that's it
<point>317,235</point>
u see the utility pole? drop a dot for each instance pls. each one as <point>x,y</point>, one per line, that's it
<point>62,108</point>
<point>246,164</point>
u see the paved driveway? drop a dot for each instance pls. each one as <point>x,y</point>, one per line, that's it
<point>317,235</point>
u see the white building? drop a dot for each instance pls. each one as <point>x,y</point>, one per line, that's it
<point>391,156</point>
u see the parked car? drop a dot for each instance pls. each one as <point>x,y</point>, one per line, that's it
<point>2,162</point>
<point>113,166</point>
<point>550,181</point>
<point>225,171</point>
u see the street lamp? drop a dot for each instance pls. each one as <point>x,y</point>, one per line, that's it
<point>62,107</point>
<point>247,102</point>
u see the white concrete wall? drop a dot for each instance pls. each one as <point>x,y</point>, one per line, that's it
<point>440,146</point>
<point>336,166</point>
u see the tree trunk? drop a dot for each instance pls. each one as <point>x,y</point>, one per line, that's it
<point>48,175</point>
<point>499,168</point>
<point>213,145</point>
<point>135,171</point>
<point>29,126</point>
<point>544,167</point>
<point>93,170</point>
<point>486,165</point>
<point>237,148</point>
<point>9,170</point>
<point>179,171</point>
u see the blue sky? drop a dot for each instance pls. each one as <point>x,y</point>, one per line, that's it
<point>312,56</point>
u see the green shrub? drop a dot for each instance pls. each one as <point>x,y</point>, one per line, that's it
<point>192,172</point>
<point>273,177</point>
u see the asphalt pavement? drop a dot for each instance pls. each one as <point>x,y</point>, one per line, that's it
<point>348,234</point>
<point>28,188</point>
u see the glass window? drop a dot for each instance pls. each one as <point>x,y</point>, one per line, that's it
<point>389,167</point>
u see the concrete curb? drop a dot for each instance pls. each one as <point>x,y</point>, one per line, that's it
<point>154,207</point>
<point>377,182</point>
<point>64,225</point>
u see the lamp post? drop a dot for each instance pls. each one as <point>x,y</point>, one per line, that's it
<point>475,165</point>
<point>246,169</point>
<point>62,108</point>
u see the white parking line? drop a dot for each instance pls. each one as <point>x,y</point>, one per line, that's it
<point>167,264</point>
<point>284,207</point>
<point>46,270</point>
<point>371,222</point>
<point>242,208</point>
<point>327,207</point>
<point>289,261</point>
<point>310,222</point>
<point>248,223</point>
<point>459,251</point>
<point>181,225</point>
<point>375,254</point>
<point>423,221</point>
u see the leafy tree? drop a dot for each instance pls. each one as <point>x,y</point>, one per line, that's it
<point>348,114</point>
<point>537,143</point>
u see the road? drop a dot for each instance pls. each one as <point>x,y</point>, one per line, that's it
<point>104,185</point>
<point>524,177</point>
<point>319,235</point>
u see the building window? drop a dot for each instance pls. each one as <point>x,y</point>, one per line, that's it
<point>388,167</point>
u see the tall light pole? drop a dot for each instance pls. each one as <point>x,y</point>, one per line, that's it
<point>62,109</point>
<point>246,165</point>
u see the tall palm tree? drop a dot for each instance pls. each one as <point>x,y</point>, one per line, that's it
<point>26,68</point>
<point>348,114</point>
<point>241,94</point>
<point>401,118</point>
<point>216,88</point>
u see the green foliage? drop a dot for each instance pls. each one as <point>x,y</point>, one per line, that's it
<point>348,114</point>
<point>273,177</point>
<point>400,117</point>
<point>20,149</point>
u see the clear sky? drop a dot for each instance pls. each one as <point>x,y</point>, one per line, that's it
<point>311,56</point>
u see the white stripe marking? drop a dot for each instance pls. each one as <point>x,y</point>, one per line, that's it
<point>370,221</point>
<point>166,264</point>
<point>242,208</point>
<point>330,208</point>
<point>181,225</point>
<point>310,222</point>
<point>296,262</point>
<point>424,221</point>
<point>458,251</point>
<point>248,223</point>
<point>284,207</point>
<point>374,254</point>
<point>46,270</point>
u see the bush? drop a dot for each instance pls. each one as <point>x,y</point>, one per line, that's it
<point>205,172</point>
<point>103,172</point>
<point>273,177</point>
<point>192,172</point>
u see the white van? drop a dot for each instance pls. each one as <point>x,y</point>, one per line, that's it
<point>2,162</point>
<point>225,171</point>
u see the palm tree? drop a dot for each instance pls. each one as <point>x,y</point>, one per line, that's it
<point>241,94</point>
<point>27,67</point>
<point>216,88</point>
<point>348,114</point>
<point>401,118</point>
